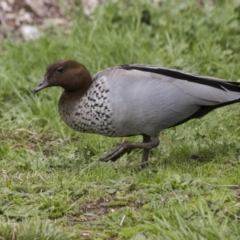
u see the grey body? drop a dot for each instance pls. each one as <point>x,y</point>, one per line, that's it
<point>143,100</point>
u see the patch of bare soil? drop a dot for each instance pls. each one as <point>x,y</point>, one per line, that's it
<point>22,18</point>
<point>92,210</point>
<point>17,15</point>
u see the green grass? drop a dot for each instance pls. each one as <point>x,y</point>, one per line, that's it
<point>52,185</point>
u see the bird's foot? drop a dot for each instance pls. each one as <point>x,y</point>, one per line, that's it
<point>117,152</point>
<point>127,147</point>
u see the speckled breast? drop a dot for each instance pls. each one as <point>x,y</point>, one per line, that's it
<point>92,113</point>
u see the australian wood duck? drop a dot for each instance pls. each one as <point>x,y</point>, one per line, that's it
<point>133,100</point>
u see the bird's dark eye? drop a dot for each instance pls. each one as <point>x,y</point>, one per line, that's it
<point>60,69</point>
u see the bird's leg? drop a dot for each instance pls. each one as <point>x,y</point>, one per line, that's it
<point>146,145</point>
<point>145,153</point>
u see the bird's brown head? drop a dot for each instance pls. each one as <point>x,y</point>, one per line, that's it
<point>68,74</point>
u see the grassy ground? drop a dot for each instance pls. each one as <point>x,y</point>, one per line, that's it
<point>52,185</point>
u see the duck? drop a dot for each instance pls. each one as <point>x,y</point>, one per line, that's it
<point>134,99</point>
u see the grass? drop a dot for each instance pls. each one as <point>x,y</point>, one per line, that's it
<point>52,185</point>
